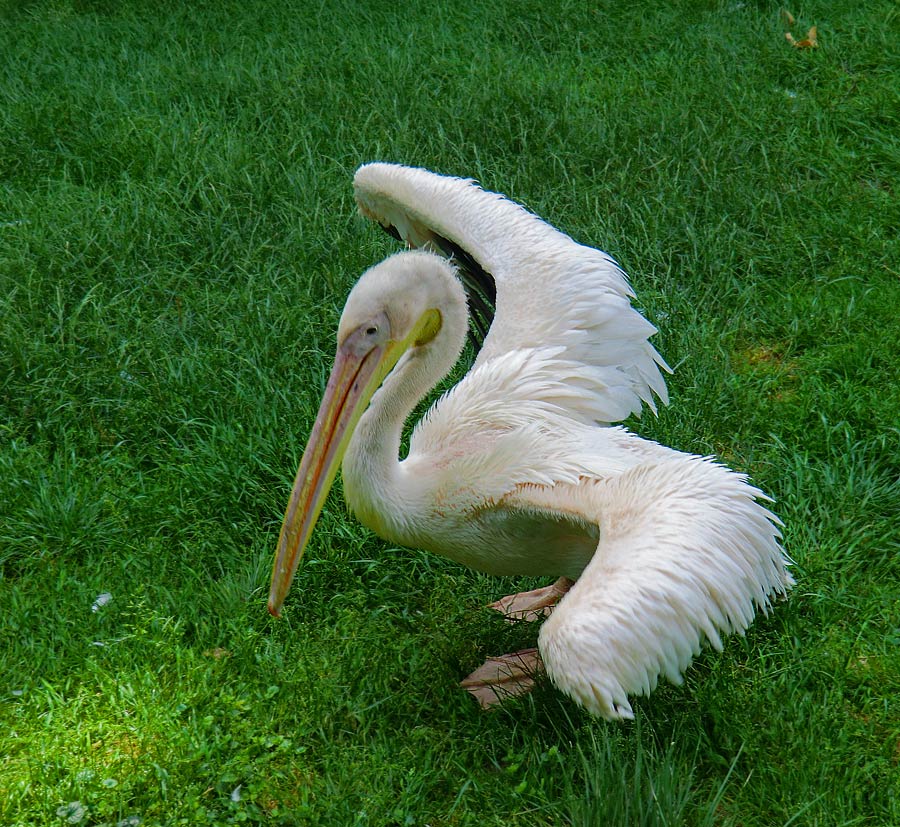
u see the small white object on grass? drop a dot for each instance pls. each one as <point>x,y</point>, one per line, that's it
<point>101,601</point>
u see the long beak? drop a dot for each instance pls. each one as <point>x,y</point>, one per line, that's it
<point>358,370</point>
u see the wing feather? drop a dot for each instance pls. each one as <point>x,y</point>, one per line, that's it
<point>549,290</point>
<point>687,553</point>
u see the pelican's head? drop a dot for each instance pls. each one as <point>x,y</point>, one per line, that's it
<point>397,305</point>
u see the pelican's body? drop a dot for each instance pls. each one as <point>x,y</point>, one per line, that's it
<point>517,470</point>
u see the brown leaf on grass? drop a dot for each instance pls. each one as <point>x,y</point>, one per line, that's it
<point>787,17</point>
<point>217,654</point>
<point>808,42</point>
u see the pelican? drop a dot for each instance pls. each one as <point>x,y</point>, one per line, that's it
<point>519,469</point>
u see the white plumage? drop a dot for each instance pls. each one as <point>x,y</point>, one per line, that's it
<point>517,469</point>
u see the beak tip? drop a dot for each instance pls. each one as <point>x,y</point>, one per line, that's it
<point>274,610</point>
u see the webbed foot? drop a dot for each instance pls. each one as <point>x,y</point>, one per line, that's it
<point>506,676</point>
<point>535,604</point>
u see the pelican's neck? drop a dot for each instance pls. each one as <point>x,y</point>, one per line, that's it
<point>373,483</point>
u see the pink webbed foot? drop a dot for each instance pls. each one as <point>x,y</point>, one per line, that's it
<point>513,675</point>
<point>533,605</point>
<point>506,676</point>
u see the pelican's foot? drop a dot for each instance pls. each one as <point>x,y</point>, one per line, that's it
<point>507,676</point>
<point>534,604</point>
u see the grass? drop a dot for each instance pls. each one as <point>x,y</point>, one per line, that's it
<point>177,236</point>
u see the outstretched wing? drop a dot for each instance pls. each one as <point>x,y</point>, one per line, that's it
<point>549,291</point>
<point>686,554</point>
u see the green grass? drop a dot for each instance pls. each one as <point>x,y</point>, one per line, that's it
<point>177,236</point>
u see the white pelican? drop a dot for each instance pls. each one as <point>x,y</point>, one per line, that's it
<point>517,470</point>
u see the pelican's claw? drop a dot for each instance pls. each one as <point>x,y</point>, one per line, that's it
<point>532,605</point>
<point>506,676</point>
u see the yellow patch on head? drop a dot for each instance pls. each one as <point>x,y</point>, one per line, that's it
<point>428,326</point>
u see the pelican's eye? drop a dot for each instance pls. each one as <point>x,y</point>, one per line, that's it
<point>371,331</point>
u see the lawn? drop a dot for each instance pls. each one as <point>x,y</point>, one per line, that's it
<point>177,237</point>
